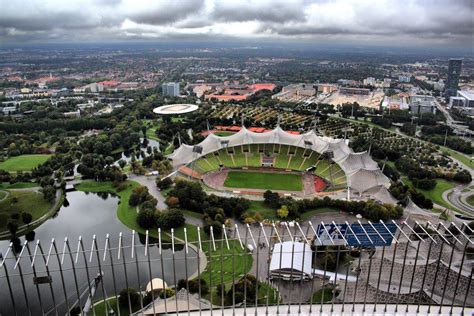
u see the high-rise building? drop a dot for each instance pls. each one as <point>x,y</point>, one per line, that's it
<point>454,70</point>
<point>170,89</point>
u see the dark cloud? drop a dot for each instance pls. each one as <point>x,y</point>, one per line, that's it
<point>296,20</point>
<point>268,11</point>
<point>167,11</point>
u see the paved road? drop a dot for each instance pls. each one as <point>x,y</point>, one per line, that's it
<point>457,196</point>
<point>458,128</point>
<point>150,183</point>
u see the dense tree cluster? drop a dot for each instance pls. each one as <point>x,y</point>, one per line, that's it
<point>30,126</point>
<point>244,289</point>
<point>369,209</point>
<point>194,286</point>
<point>402,192</point>
<point>148,216</point>
<point>453,142</point>
<point>95,166</point>
<point>215,209</point>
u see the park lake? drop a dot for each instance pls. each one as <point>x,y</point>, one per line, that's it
<point>88,214</point>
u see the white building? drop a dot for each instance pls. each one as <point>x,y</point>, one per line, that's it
<point>404,78</point>
<point>395,102</point>
<point>462,99</point>
<point>170,89</point>
<point>370,81</point>
<point>8,109</point>
<point>291,261</point>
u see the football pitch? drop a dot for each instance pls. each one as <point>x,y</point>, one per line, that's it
<point>264,181</point>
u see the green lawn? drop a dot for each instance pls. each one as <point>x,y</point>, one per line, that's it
<point>470,200</point>
<point>3,194</point>
<point>26,201</point>
<point>213,273</point>
<point>101,308</point>
<point>23,162</point>
<point>18,185</point>
<point>264,181</point>
<point>260,207</point>
<point>151,132</point>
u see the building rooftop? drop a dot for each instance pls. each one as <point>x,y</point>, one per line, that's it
<point>466,94</point>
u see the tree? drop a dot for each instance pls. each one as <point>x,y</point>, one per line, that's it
<point>109,160</point>
<point>172,201</point>
<point>122,163</point>
<point>271,199</point>
<point>26,217</point>
<point>283,212</point>
<point>164,183</point>
<point>125,294</point>
<point>172,218</point>
<point>12,227</point>
<point>49,193</point>
<point>146,219</point>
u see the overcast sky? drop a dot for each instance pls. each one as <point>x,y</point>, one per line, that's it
<point>393,22</point>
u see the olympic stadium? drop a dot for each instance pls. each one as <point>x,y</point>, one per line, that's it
<point>299,164</point>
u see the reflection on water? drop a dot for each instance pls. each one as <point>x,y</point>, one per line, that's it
<point>86,214</point>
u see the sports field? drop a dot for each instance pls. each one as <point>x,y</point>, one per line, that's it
<point>264,181</point>
<point>23,162</point>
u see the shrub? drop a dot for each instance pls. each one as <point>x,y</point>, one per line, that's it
<point>282,212</point>
<point>169,293</point>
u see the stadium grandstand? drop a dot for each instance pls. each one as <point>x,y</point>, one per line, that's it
<point>328,158</point>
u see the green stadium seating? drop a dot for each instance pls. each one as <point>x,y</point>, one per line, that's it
<point>298,161</point>
<point>254,160</point>
<point>239,159</point>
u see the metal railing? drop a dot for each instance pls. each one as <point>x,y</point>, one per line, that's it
<point>384,267</point>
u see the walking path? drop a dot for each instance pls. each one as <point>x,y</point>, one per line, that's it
<point>6,195</point>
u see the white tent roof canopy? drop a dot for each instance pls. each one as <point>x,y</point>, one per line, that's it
<point>351,163</point>
<point>291,255</point>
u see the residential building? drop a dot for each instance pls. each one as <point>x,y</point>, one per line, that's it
<point>370,81</point>
<point>454,70</point>
<point>170,89</point>
<point>404,78</point>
